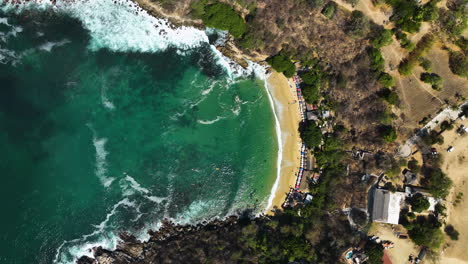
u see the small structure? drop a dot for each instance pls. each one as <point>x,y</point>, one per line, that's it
<point>386,206</point>
<point>359,258</point>
<point>462,130</point>
<point>410,177</point>
<point>311,107</point>
<point>325,114</point>
<point>414,190</point>
<point>308,198</point>
<point>312,116</point>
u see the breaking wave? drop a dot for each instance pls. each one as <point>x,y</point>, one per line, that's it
<point>118,25</point>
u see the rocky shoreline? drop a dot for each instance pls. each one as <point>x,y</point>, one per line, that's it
<point>228,49</point>
<point>163,245</point>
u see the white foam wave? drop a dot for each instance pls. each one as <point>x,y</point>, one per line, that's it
<point>260,72</point>
<point>101,163</point>
<point>12,33</point>
<point>48,46</point>
<point>81,247</point>
<point>7,56</point>
<point>209,122</point>
<point>119,25</point>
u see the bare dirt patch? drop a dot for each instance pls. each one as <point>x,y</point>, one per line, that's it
<point>403,247</point>
<point>456,166</point>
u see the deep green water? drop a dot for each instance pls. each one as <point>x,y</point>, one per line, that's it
<point>97,140</point>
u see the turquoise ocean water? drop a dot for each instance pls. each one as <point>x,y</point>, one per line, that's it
<point>111,126</point>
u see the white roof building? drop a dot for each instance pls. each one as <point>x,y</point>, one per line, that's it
<point>386,206</point>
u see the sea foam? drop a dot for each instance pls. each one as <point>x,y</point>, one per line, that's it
<point>119,25</point>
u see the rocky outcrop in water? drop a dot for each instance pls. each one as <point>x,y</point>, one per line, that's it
<point>171,244</point>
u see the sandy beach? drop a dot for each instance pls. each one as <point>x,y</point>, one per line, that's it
<point>456,166</point>
<point>287,111</point>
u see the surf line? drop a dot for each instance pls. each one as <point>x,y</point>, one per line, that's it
<point>280,145</point>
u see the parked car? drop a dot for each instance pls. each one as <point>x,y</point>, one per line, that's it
<point>450,149</point>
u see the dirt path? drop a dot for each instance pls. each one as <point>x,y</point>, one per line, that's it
<point>367,7</point>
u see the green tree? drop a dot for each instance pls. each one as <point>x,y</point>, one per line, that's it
<point>383,38</point>
<point>313,81</point>
<point>388,133</point>
<point>388,95</point>
<point>407,14</point>
<point>386,80</point>
<point>377,61</point>
<point>431,78</point>
<point>446,125</point>
<point>329,10</point>
<point>311,135</point>
<point>451,232</point>
<point>281,63</point>
<point>418,203</point>
<point>223,16</point>
<point>404,41</point>
<point>375,252</point>
<point>437,183</point>
<point>358,24</point>
<point>413,165</point>
<point>426,232</point>
<point>425,64</point>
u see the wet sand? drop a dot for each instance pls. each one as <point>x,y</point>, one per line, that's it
<point>287,111</point>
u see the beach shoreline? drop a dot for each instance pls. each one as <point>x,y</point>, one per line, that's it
<point>285,106</point>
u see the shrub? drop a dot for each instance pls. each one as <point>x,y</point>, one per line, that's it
<point>251,40</point>
<point>311,135</point>
<point>404,41</point>
<point>425,64</point>
<point>451,232</point>
<point>388,133</point>
<point>358,24</point>
<point>281,63</point>
<point>383,38</point>
<point>433,79</point>
<point>413,165</point>
<point>462,42</point>
<point>446,125</point>
<point>418,203</point>
<point>458,63</point>
<point>222,16</point>
<point>388,95</point>
<point>375,252</point>
<point>329,10</point>
<point>315,3</point>
<point>386,80</point>
<point>377,61</point>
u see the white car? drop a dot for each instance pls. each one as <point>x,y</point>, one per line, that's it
<point>450,149</point>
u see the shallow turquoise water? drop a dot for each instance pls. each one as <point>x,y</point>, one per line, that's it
<point>98,141</point>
